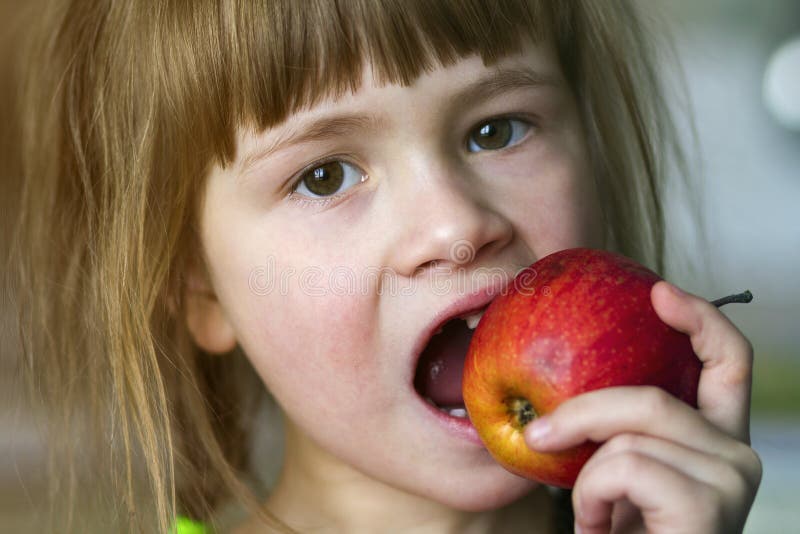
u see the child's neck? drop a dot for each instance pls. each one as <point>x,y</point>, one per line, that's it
<point>316,492</point>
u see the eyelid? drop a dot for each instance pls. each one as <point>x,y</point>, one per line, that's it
<point>322,203</point>
<point>304,201</point>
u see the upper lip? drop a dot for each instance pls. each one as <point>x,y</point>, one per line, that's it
<point>464,306</point>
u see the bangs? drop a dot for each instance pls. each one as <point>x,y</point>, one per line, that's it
<point>272,58</point>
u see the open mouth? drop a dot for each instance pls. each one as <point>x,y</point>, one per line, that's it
<point>441,364</point>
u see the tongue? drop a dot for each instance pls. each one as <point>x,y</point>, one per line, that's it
<point>442,365</point>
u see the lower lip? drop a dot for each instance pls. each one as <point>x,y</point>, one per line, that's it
<point>460,427</point>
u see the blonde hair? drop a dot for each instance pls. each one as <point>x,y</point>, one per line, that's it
<point>125,105</point>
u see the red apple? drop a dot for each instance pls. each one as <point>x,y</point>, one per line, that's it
<point>574,321</point>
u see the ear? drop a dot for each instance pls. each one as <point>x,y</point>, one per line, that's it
<point>206,320</point>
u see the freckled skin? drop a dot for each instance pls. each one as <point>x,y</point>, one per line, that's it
<point>584,322</point>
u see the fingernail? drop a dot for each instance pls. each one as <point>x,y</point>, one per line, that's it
<point>678,292</point>
<point>538,430</point>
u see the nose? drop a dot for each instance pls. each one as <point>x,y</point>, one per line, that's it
<point>442,219</point>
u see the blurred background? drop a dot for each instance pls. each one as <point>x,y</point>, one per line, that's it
<point>741,61</point>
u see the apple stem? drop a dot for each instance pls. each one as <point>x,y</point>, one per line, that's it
<point>738,297</point>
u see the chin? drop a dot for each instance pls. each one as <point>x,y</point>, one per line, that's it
<point>487,492</point>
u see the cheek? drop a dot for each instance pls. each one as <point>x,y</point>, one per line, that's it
<point>556,205</point>
<point>567,214</point>
<point>300,324</point>
<point>311,339</point>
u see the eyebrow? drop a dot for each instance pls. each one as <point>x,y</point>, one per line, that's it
<point>489,86</point>
<point>501,81</point>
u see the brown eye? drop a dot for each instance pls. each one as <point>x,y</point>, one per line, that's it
<point>496,134</point>
<point>328,179</point>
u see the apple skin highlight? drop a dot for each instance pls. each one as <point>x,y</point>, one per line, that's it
<point>574,321</point>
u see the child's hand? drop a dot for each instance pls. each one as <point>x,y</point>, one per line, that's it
<point>665,466</point>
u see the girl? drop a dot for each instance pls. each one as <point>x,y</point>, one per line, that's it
<point>226,198</point>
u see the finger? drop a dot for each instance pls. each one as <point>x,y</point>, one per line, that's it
<point>727,356</point>
<point>666,498</point>
<point>735,475</point>
<point>600,414</point>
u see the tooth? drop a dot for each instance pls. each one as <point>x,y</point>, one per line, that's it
<point>458,412</point>
<point>473,320</point>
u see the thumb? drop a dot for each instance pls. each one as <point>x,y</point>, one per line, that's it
<point>724,392</point>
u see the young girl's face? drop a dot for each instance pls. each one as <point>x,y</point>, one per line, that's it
<point>339,240</point>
